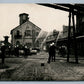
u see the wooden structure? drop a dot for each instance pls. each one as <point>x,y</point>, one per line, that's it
<point>73,9</point>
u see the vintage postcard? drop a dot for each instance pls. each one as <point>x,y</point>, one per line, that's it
<point>41,42</point>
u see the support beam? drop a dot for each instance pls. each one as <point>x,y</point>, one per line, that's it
<point>68,43</point>
<point>73,10</point>
<point>74,39</point>
<point>65,7</point>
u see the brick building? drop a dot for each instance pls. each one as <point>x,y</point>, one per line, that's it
<point>25,33</point>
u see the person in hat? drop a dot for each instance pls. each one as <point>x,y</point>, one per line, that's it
<point>16,50</point>
<point>3,52</point>
<point>25,51</point>
<point>52,52</point>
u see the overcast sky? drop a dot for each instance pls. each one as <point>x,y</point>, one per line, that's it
<point>45,18</point>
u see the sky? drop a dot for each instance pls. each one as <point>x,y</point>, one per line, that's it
<point>46,18</point>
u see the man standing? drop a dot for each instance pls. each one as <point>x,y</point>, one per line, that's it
<point>52,52</point>
<point>3,53</point>
<point>25,52</point>
<point>17,50</point>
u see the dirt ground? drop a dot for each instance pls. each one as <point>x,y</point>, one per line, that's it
<point>36,68</point>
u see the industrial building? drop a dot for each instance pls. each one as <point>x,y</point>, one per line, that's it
<point>25,33</point>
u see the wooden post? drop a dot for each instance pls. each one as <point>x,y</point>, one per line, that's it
<point>68,43</point>
<point>74,39</point>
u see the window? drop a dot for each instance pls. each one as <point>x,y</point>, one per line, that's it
<point>17,43</point>
<point>28,33</point>
<point>37,33</point>
<point>18,35</point>
<point>18,32</point>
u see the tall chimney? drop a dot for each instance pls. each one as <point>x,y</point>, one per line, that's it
<point>6,39</point>
<point>23,18</point>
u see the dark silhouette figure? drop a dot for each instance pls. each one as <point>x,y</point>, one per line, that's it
<point>52,53</point>
<point>3,48</point>
<point>9,48</point>
<point>62,51</point>
<point>25,52</point>
<point>17,51</point>
<point>28,51</point>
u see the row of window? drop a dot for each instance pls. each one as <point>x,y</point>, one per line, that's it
<point>28,44</point>
<point>27,33</point>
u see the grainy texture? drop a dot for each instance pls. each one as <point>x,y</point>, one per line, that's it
<point>21,69</point>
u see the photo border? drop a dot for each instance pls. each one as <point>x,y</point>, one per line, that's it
<point>42,1</point>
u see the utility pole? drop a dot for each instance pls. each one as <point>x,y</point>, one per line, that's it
<point>74,39</point>
<point>71,14</point>
<point>68,43</point>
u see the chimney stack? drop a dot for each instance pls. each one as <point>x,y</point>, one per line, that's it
<point>6,39</point>
<point>23,18</point>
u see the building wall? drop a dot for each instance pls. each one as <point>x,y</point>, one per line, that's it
<point>80,32</point>
<point>65,31</point>
<point>80,41</point>
<point>28,32</point>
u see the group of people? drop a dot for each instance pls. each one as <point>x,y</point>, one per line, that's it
<point>9,50</point>
<point>24,50</point>
<point>52,51</point>
<point>3,48</point>
<point>62,51</point>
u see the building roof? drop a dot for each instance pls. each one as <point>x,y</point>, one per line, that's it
<point>23,14</point>
<point>66,38</point>
<point>35,25</point>
<point>24,23</point>
<point>14,28</point>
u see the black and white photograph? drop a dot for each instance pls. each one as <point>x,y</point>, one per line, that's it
<point>41,42</point>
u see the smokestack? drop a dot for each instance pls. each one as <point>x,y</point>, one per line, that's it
<point>23,18</point>
<point>6,39</point>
